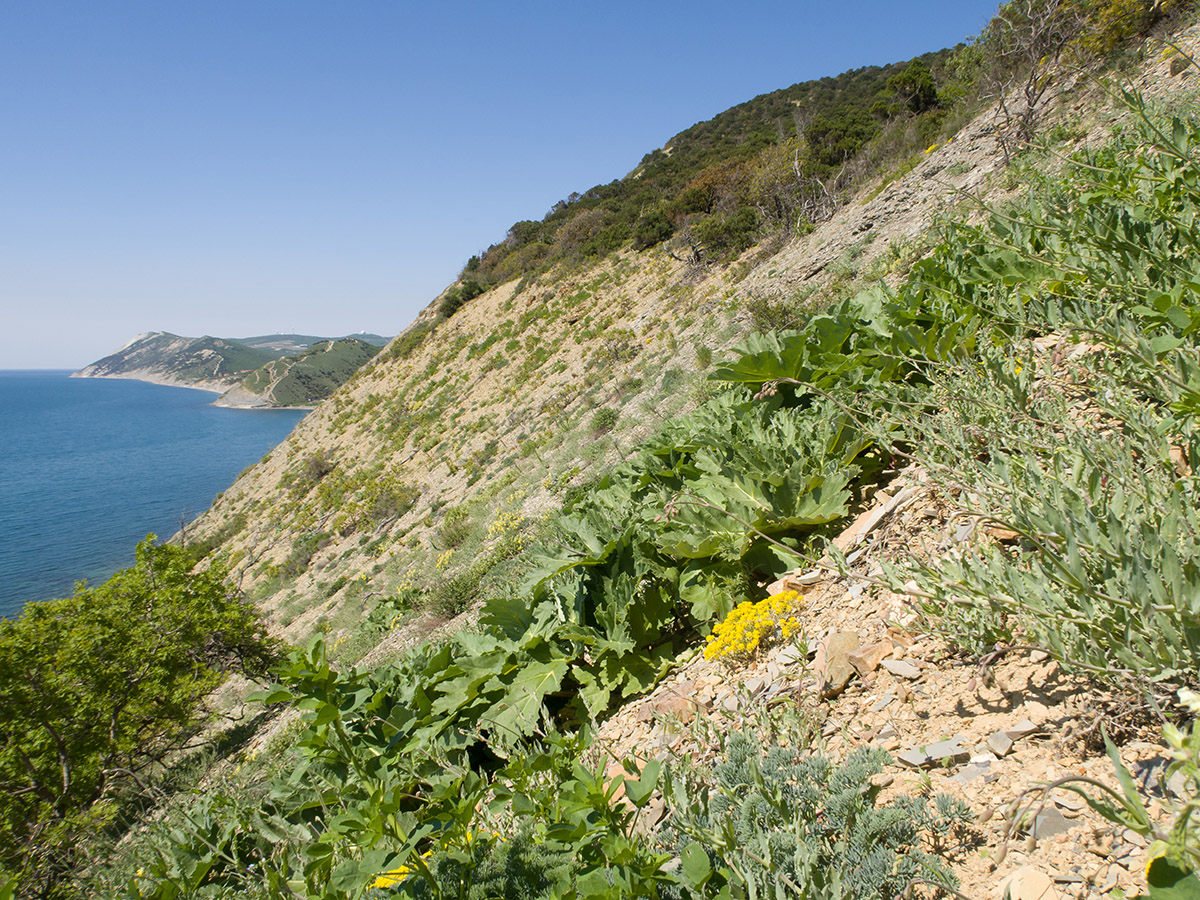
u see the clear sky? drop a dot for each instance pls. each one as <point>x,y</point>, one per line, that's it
<point>239,167</point>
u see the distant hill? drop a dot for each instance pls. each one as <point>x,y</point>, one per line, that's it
<point>268,370</point>
<point>304,378</point>
<point>297,343</point>
<point>214,364</point>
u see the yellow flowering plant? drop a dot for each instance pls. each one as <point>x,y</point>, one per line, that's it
<point>750,626</point>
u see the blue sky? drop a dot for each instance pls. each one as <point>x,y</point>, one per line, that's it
<point>238,168</point>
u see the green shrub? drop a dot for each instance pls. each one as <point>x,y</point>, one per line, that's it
<point>604,419</point>
<point>456,526</point>
<point>1106,567</point>
<point>408,343</point>
<point>725,236</point>
<point>651,229</point>
<point>97,689</point>
<point>458,296</point>
<point>304,548</point>
<point>775,822</point>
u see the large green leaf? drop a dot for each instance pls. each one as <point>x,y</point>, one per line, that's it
<point>518,711</point>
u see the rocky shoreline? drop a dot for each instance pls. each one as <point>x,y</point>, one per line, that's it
<point>231,394</point>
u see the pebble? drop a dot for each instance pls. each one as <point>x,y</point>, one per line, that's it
<point>1024,728</point>
<point>1027,883</point>
<point>936,754</point>
<point>1000,743</point>
<point>1132,837</point>
<point>901,668</point>
<point>883,702</point>
<point>1050,823</point>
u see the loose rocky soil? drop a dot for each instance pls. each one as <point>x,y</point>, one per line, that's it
<point>873,678</point>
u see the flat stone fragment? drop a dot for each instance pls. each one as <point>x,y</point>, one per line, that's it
<point>1028,883</point>
<point>789,581</point>
<point>1024,728</point>
<point>756,684</point>
<point>1000,743</point>
<point>973,772</point>
<point>883,702</point>
<point>936,754</point>
<point>1050,823</point>
<point>1070,804</point>
<point>901,668</point>
<point>867,659</point>
<point>681,708</point>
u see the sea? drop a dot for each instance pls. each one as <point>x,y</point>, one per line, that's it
<point>90,466</point>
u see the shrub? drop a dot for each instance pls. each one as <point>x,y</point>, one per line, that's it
<point>96,689</point>
<point>458,296</point>
<point>651,229</point>
<point>1076,461</point>
<point>604,420</point>
<point>456,526</point>
<point>304,548</point>
<point>768,823</point>
<point>408,343</point>
<point>317,466</point>
<point>725,236</point>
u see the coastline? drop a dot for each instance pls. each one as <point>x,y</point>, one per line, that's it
<point>230,395</point>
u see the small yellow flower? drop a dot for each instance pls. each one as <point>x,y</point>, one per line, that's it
<point>751,624</point>
<point>392,878</point>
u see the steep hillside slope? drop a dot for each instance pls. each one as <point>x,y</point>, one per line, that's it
<point>502,396</point>
<point>531,387</point>
<point>904,502</point>
<point>998,451</point>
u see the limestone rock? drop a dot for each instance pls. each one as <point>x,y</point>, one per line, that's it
<point>1000,743</point>
<point>901,668</point>
<point>867,659</point>
<point>1024,728</point>
<point>1028,883</point>
<point>936,754</point>
<point>832,665</point>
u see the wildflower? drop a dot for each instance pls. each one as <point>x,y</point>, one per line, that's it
<point>392,877</point>
<point>750,624</point>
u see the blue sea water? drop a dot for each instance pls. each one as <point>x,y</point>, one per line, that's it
<point>89,467</point>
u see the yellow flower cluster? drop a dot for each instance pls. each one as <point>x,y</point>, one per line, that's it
<point>750,624</point>
<point>406,580</point>
<point>504,523</point>
<point>443,559</point>
<point>393,877</point>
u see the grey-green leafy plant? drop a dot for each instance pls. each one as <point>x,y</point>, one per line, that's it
<point>775,822</point>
